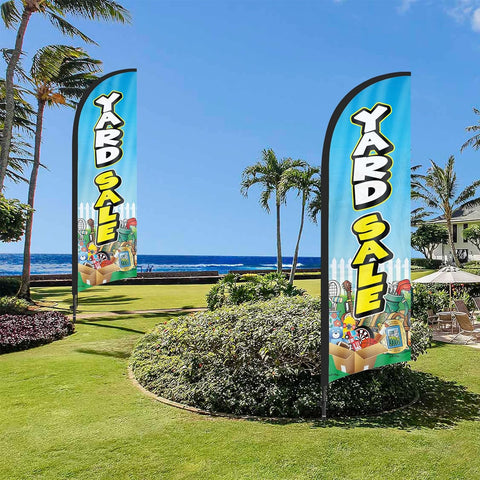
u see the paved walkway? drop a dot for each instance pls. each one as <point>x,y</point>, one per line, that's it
<point>460,340</point>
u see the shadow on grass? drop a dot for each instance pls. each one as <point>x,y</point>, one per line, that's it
<point>116,327</point>
<point>441,405</point>
<point>439,344</point>
<point>105,353</point>
<point>95,300</point>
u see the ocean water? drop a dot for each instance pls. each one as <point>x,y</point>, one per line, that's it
<point>41,264</point>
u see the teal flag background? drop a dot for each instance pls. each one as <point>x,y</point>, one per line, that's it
<point>118,259</point>
<point>383,338</point>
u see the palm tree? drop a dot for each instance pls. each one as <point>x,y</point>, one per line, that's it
<point>438,190</point>
<point>270,173</point>
<point>54,11</point>
<point>305,182</point>
<point>474,141</point>
<point>315,205</point>
<point>59,76</point>
<point>418,216</point>
<point>20,150</point>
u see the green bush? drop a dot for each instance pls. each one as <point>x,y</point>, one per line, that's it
<point>260,358</point>
<point>11,305</point>
<point>427,263</point>
<point>9,286</point>
<point>236,289</point>
<point>421,338</point>
<point>428,296</point>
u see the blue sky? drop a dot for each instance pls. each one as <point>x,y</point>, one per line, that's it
<point>218,81</point>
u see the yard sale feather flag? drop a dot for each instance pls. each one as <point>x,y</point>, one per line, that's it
<point>366,229</point>
<point>104,210</point>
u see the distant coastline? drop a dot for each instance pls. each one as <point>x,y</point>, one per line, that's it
<point>41,264</point>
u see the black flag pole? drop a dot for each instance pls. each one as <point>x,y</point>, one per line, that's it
<point>75,212</point>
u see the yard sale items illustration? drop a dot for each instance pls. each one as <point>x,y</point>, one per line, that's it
<point>366,171</point>
<point>105,181</point>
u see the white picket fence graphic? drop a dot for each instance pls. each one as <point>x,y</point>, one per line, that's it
<point>396,270</point>
<point>126,210</point>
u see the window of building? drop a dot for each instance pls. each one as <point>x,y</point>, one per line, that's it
<point>454,233</point>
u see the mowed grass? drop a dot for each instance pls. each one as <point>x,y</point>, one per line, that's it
<point>118,298</point>
<point>69,411</point>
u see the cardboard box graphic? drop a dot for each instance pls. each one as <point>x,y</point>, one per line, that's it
<point>343,358</point>
<point>365,358</point>
<point>348,361</point>
<point>104,274</point>
<point>88,274</point>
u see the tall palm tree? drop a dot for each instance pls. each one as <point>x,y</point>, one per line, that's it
<point>438,189</point>
<point>59,76</point>
<point>54,11</point>
<point>20,150</point>
<point>270,172</point>
<point>305,181</point>
<point>474,141</point>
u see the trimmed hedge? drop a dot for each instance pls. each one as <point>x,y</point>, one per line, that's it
<point>20,332</point>
<point>9,286</point>
<point>427,263</point>
<point>261,359</point>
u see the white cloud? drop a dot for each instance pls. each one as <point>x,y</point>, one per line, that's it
<point>405,5</point>
<point>462,9</point>
<point>476,20</point>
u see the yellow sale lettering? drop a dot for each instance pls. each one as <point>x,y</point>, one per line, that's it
<point>108,222</point>
<point>371,285</point>
<point>108,136</point>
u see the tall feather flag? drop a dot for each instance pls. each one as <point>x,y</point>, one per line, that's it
<point>104,189</point>
<point>366,292</point>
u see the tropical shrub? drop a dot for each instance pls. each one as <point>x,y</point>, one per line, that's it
<point>428,296</point>
<point>9,286</point>
<point>421,338</point>
<point>236,289</point>
<point>427,263</point>
<point>13,305</point>
<point>19,332</point>
<point>260,358</point>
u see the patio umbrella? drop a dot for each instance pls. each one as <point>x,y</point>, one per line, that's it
<point>449,275</point>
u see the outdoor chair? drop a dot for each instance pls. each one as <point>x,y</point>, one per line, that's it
<point>466,327</point>
<point>461,307</point>
<point>432,318</point>
<point>444,319</point>
<point>476,312</point>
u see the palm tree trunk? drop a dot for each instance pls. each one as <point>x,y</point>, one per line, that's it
<point>279,240</point>
<point>24,291</point>
<point>450,241</point>
<point>9,96</point>
<point>295,255</point>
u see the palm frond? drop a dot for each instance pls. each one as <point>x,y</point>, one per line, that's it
<point>67,28</point>
<point>10,14</point>
<point>95,9</point>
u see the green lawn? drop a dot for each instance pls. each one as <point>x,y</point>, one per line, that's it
<point>116,298</point>
<point>69,411</point>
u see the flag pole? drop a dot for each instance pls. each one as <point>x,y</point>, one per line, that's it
<point>75,212</point>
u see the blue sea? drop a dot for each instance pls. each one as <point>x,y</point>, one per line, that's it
<point>41,264</point>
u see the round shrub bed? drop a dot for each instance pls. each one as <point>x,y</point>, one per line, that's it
<point>260,359</point>
<point>20,332</point>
